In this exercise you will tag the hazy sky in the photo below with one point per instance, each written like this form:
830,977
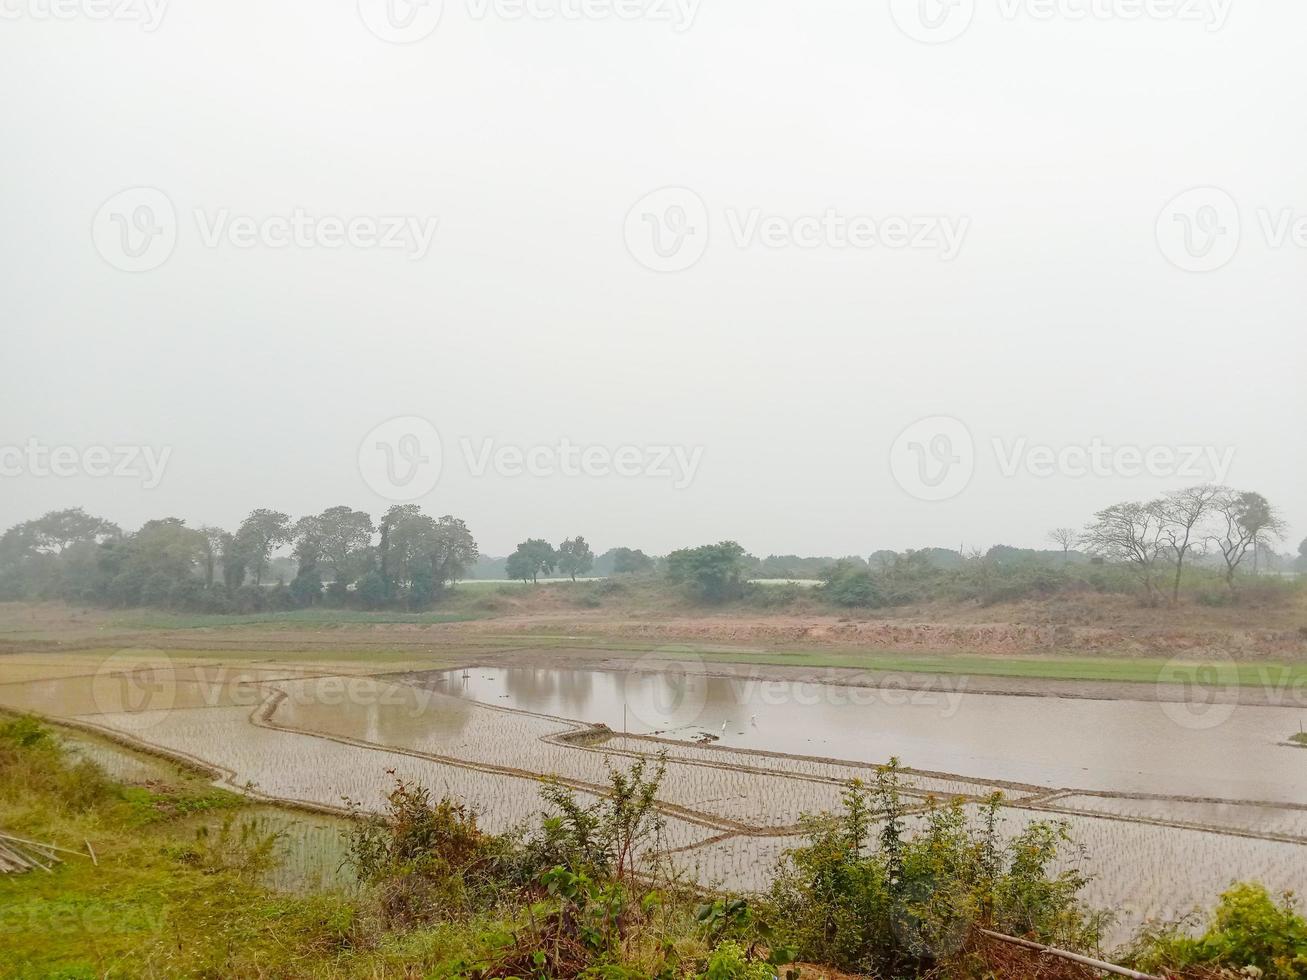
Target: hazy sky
870,222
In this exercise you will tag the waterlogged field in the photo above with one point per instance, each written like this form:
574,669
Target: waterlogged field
1168,811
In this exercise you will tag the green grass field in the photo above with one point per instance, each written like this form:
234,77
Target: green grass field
146,619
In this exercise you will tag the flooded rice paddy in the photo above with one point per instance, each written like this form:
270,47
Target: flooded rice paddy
1169,811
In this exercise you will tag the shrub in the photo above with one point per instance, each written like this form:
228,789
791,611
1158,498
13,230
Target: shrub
1248,929
863,896
187,595
371,591
32,762
848,584
306,588
246,849
423,857
711,573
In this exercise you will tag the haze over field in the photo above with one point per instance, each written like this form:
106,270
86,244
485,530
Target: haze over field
1033,291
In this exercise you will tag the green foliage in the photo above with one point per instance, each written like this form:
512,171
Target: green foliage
848,583
625,561
244,848
533,558
730,961
710,573
424,857
575,557
1248,929
902,906
33,766
609,836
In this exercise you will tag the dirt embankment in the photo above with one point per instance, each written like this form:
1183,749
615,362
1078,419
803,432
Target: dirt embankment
1099,626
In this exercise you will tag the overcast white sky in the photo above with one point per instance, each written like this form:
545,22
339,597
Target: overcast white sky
1050,144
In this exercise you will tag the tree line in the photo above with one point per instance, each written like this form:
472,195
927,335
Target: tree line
1158,539
407,559
342,557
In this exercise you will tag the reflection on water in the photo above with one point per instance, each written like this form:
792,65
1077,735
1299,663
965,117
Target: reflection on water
1124,746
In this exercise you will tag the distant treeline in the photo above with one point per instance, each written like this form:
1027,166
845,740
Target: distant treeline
1207,539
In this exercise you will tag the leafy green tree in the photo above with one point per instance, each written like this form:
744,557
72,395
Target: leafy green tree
415,545
848,583
166,548
627,561
711,573
259,535
371,591
533,558
1302,556
345,539
306,588
214,545
59,530
575,557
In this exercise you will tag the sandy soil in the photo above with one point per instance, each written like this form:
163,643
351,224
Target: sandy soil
1099,626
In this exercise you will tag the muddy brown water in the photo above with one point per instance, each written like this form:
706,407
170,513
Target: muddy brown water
1124,746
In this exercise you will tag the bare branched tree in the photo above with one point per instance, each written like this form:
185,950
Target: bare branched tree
1066,538
1182,514
1249,521
1129,534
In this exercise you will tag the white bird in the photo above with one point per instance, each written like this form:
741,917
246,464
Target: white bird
723,728
753,719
